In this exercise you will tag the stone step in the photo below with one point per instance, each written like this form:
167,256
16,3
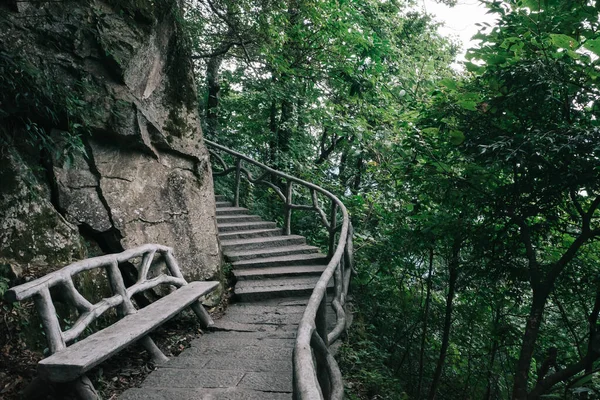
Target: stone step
292,271
231,211
256,233
282,261
230,326
220,197
269,252
245,226
222,393
271,288
221,204
230,219
261,242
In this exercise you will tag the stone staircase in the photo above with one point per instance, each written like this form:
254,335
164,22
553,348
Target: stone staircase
266,264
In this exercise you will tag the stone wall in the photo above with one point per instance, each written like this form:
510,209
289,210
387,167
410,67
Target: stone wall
142,173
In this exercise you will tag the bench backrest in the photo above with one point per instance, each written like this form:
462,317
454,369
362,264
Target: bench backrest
39,289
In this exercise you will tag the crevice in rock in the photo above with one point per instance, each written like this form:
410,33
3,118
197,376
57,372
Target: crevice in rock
118,178
126,141
74,187
183,169
146,221
174,152
177,213
117,235
104,240
46,163
108,241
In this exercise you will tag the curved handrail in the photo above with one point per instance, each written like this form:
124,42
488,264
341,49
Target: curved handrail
316,373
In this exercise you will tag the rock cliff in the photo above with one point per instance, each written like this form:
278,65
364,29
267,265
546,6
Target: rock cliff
101,146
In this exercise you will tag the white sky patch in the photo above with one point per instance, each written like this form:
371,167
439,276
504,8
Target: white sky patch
459,21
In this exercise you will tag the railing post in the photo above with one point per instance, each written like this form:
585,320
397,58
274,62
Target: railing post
45,307
288,208
348,259
332,230
322,371
236,190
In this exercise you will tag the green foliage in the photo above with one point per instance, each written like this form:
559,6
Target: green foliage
179,89
35,102
363,363
474,196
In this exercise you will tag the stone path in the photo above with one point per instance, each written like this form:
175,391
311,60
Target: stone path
248,354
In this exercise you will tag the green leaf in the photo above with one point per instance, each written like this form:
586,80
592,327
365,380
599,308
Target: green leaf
531,4
468,105
471,96
441,167
430,131
582,381
474,67
496,59
593,45
456,137
563,41
449,83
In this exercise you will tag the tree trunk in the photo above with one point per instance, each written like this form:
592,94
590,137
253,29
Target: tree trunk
532,329
453,275
285,125
495,344
283,107
425,320
358,176
545,383
212,83
273,145
343,168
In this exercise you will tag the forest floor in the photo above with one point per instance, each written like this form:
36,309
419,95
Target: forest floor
125,370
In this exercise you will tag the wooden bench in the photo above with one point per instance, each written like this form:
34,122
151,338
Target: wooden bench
70,361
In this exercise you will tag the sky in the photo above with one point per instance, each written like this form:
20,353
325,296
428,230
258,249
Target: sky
459,20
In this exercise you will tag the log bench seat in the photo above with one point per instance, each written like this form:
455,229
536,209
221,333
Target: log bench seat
71,359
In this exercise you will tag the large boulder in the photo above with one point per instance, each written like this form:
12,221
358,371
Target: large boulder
124,80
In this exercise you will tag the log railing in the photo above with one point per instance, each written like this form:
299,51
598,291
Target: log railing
316,373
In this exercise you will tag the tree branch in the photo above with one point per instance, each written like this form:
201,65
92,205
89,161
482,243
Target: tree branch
587,217
221,50
525,234
326,151
593,353
576,203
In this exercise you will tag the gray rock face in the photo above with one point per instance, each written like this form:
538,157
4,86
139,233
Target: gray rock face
160,201
32,233
145,176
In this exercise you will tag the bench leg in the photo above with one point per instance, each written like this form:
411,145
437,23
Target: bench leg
205,319
37,389
84,389
157,356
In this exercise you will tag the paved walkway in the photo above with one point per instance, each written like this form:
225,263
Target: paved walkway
248,355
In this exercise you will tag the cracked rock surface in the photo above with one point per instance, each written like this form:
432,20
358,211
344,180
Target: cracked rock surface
145,174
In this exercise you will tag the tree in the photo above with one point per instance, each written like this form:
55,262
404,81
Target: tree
529,119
